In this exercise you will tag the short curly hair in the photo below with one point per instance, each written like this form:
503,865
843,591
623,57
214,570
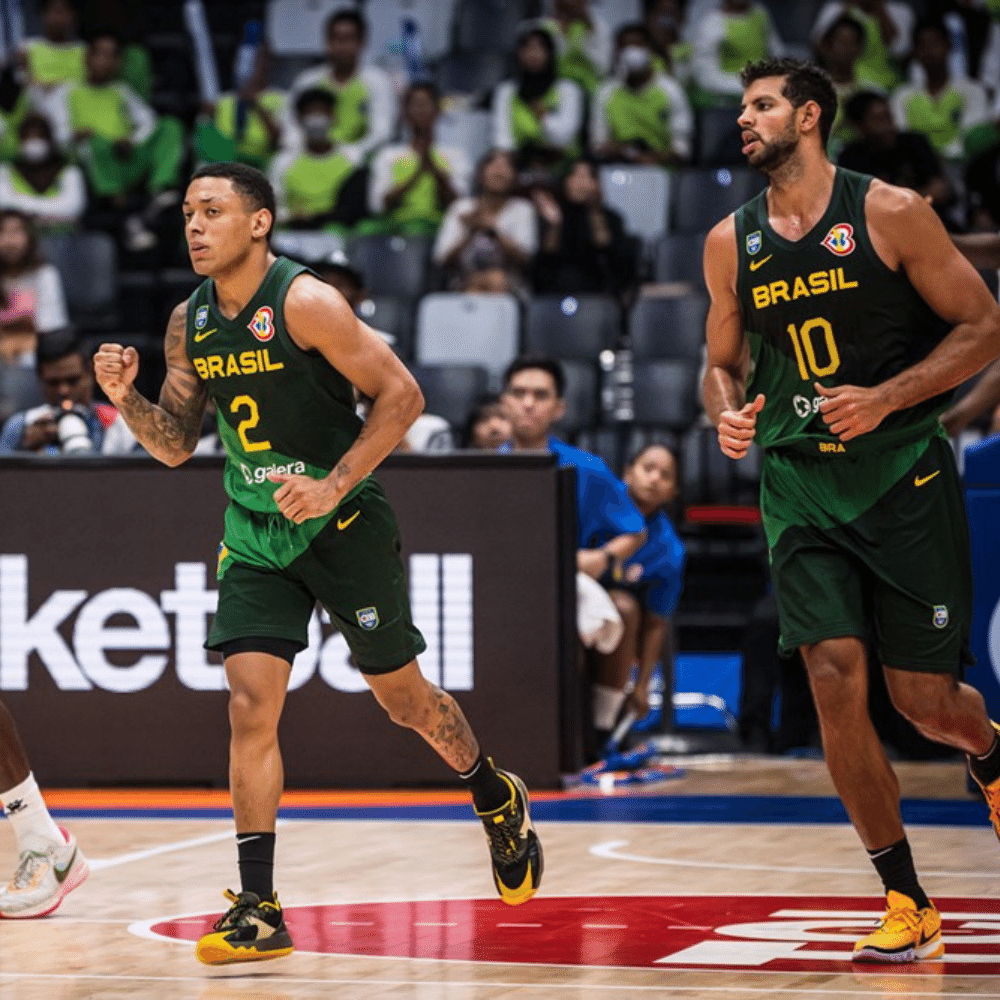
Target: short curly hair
804,81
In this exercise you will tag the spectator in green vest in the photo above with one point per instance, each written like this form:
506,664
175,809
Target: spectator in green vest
58,56
944,109
307,182
888,28
640,116
412,183
366,101
538,114
245,126
130,155
672,54
39,182
583,40
725,40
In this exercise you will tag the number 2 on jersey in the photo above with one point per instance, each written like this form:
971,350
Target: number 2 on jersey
805,351
246,425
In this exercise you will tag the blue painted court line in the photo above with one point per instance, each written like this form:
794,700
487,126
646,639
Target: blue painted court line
613,809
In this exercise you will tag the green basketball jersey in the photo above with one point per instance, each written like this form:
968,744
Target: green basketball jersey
280,410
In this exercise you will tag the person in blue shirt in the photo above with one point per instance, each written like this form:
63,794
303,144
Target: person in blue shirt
648,586
611,527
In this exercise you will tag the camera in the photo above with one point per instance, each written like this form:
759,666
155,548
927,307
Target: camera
74,434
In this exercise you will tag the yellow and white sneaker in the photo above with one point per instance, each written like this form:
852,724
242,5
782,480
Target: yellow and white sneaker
47,872
991,793
904,934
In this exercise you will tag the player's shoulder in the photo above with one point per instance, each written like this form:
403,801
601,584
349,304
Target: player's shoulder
720,246
891,203
178,315
309,297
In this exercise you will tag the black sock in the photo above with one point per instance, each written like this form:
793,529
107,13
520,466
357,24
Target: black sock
256,851
489,790
894,865
986,769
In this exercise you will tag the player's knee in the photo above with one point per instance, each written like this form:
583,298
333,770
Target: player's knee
249,715
918,697
404,707
627,605
836,675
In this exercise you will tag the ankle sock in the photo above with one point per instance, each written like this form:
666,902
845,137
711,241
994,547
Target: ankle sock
894,865
24,806
256,860
986,769
489,790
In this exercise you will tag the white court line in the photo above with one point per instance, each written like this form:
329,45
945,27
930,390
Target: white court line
240,982
610,850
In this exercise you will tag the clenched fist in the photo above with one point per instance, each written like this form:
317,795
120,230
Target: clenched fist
737,428
115,368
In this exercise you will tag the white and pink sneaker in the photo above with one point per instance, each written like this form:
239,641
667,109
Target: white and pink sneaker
46,874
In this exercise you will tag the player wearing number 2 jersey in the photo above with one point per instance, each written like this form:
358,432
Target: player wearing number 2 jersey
279,351
842,311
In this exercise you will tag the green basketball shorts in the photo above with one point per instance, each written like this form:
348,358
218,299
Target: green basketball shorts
899,575
352,567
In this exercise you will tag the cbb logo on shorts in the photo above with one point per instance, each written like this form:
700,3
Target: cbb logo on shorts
840,239
262,324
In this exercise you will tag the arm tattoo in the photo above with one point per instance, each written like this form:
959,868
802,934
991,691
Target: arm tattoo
170,431
450,734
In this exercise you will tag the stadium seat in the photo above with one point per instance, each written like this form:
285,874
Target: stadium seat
450,391
392,265
663,393
718,142
433,19
572,326
615,13
306,245
605,442
298,27
87,262
679,257
488,25
455,328
391,315
641,195
668,327
701,197
581,395
709,477
468,130
469,72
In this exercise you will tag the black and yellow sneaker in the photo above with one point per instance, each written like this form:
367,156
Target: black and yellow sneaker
252,930
991,791
514,846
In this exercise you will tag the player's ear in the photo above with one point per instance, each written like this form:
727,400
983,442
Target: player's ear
810,116
261,223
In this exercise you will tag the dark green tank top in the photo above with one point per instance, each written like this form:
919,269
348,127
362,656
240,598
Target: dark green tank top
280,409
827,309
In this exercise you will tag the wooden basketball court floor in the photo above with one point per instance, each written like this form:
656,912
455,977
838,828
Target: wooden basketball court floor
737,879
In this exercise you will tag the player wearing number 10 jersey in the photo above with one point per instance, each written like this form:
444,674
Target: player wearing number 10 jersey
842,311
279,351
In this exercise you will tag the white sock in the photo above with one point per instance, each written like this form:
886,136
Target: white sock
607,703
24,806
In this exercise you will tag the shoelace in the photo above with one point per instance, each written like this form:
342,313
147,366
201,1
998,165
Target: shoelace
235,913
505,837
27,869
909,918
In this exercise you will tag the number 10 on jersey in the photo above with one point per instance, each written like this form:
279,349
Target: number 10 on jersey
805,348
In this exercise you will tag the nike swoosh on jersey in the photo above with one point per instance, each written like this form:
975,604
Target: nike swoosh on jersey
920,480
754,264
343,524
61,873
199,337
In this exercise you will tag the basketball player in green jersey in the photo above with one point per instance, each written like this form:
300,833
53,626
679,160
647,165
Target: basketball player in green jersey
842,311
279,352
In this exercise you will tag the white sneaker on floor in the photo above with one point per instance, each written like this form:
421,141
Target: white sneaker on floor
46,874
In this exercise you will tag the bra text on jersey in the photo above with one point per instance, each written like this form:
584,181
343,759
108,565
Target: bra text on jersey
817,283
244,363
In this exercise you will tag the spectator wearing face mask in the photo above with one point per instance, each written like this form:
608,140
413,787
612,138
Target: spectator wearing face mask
642,116
672,53
40,182
583,39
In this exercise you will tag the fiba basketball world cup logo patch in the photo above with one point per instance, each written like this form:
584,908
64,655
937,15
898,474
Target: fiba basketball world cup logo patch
367,618
262,324
840,239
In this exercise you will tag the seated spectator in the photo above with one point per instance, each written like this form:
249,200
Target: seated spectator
307,181
584,42
366,101
944,110
40,182
903,158
888,28
412,184
537,114
69,421
584,247
486,243
642,116
645,590
488,425
58,56
664,23
611,529
839,50
245,126
725,40
129,154
336,270
33,299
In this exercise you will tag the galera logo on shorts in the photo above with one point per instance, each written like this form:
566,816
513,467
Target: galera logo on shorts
367,618
255,477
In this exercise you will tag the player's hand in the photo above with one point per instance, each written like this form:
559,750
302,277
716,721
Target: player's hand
638,702
302,497
850,410
737,428
115,368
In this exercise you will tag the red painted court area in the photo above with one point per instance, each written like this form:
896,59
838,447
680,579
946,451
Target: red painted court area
764,933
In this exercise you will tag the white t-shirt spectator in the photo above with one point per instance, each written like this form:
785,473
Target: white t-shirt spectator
517,221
